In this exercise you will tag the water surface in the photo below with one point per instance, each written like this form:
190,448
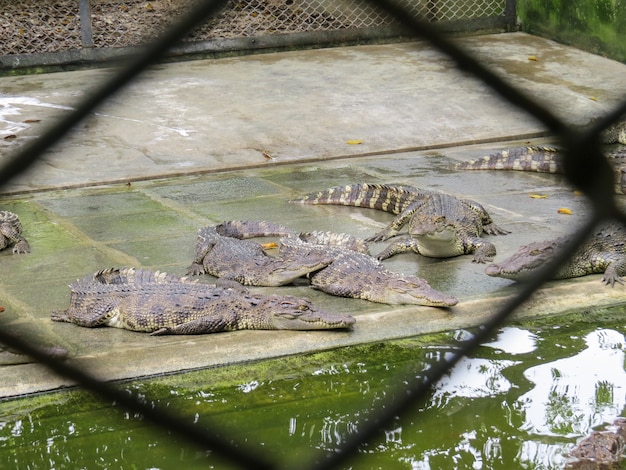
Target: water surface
521,401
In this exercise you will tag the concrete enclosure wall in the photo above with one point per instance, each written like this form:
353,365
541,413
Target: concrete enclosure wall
597,26
35,33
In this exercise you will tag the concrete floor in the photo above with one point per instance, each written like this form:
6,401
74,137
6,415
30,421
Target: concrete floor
183,148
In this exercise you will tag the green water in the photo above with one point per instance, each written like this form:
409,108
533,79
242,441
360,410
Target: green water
519,402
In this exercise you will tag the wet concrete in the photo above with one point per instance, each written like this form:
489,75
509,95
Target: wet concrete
189,138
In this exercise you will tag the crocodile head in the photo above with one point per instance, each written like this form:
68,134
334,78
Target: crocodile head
411,290
286,312
526,260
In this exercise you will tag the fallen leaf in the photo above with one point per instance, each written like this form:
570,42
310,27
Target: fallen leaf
28,121
268,246
532,57
10,137
539,196
593,98
267,155
1,309
564,210
354,142
578,193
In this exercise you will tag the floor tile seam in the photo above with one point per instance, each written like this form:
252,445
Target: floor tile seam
66,224
179,208
22,309
319,159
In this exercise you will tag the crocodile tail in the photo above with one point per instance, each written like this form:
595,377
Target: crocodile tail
536,158
243,229
341,240
12,219
386,197
133,276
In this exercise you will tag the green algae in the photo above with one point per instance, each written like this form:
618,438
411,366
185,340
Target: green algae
294,407
596,27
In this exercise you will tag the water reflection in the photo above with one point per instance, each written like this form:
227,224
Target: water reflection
520,401
573,394
513,340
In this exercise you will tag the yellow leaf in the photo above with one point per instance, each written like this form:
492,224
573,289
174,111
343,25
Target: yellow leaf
539,196
564,210
354,142
593,98
267,246
532,57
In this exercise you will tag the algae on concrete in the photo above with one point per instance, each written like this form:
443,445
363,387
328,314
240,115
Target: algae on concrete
597,26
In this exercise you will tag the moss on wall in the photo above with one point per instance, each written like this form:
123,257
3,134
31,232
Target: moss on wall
597,26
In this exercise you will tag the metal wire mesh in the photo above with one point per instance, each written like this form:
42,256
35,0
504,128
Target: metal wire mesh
30,26
585,167
33,26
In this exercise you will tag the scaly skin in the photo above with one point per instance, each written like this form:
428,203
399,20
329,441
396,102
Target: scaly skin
11,233
604,253
541,159
600,449
147,301
246,263
352,273
440,225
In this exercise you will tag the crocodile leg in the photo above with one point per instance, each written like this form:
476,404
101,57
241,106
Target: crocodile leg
484,251
11,235
206,324
394,227
487,222
401,246
615,269
205,243
101,315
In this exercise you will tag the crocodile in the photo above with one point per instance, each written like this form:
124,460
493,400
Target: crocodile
440,225
352,273
604,252
246,262
11,233
361,276
162,304
541,159
600,449
549,159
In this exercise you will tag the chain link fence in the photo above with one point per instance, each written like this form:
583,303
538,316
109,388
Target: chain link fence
585,167
54,27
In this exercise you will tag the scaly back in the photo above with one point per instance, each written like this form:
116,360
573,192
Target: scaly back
7,217
386,197
535,158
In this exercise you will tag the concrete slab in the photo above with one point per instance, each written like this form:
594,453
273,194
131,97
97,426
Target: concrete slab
189,137
221,114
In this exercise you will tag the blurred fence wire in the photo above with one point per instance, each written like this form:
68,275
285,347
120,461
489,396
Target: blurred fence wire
585,165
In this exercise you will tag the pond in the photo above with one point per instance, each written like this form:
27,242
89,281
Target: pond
520,401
